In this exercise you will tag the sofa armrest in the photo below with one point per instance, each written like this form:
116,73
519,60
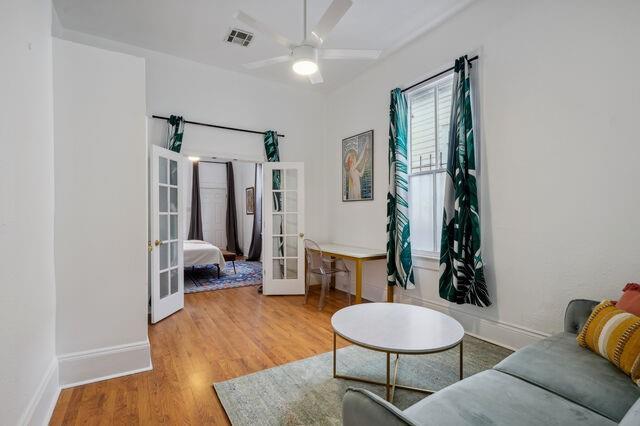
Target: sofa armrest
363,408
577,313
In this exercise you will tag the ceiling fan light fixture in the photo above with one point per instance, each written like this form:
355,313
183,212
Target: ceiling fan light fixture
305,67
305,60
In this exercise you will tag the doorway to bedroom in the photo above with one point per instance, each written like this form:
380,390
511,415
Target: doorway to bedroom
220,213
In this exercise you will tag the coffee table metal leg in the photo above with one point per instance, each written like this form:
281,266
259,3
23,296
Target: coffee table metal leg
388,384
461,357
395,377
334,354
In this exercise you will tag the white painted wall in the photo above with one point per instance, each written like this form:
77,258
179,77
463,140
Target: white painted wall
244,175
101,212
28,368
204,93
559,104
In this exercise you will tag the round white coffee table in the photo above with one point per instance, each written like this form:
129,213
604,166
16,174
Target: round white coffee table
395,328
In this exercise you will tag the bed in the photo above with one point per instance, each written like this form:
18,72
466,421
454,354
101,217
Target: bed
197,252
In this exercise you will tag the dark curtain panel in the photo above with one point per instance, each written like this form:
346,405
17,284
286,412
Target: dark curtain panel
232,224
195,226
255,249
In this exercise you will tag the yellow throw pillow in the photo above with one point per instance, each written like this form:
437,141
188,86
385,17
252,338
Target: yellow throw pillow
615,335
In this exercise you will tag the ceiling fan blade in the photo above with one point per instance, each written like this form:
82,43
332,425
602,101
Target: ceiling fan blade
267,62
331,17
348,54
263,28
316,78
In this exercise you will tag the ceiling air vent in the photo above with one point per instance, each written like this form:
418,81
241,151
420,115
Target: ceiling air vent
243,38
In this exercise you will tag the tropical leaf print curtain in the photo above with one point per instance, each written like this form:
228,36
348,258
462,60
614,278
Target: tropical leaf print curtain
174,133
273,155
271,146
399,263
461,269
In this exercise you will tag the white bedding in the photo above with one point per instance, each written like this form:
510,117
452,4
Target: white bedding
198,252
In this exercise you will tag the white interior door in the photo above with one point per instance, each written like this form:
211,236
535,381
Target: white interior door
214,215
167,278
283,226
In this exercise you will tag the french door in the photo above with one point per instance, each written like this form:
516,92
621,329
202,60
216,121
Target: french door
167,277
283,228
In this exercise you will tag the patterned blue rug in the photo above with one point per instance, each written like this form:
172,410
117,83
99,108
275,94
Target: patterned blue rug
205,278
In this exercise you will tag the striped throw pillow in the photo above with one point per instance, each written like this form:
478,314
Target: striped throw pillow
615,335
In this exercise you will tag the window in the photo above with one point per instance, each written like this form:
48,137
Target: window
429,116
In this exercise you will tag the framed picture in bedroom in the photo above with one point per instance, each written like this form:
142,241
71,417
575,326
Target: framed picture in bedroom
357,167
251,200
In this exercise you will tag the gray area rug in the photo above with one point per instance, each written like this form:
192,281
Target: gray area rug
305,393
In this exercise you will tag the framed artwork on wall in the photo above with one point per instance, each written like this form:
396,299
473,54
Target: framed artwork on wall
251,200
357,167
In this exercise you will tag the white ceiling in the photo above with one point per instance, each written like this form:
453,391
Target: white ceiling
196,29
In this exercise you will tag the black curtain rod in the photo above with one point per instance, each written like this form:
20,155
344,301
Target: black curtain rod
235,129
435,76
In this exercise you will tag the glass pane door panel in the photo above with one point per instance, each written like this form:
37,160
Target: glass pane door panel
164,284
174,226
164,232
174,281
278,269
276,179
277,201
278,224
292,269
164,256
292,224
174,254
173,172
162,170
174,200
163,199
278,249
291,179
291,247
291,201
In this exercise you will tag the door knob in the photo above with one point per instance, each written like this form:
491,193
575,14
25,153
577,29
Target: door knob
158,242
301,235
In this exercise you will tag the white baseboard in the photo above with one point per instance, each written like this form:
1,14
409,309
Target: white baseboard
44,400
80,368
501,333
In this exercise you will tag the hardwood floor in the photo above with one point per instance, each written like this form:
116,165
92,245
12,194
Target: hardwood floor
219,335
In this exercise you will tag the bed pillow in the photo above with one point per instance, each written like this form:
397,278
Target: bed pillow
615,335
630,300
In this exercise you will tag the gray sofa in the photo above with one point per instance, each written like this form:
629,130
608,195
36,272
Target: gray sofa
552,382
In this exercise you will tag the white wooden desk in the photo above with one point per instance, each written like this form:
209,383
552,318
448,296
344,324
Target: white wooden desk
359,255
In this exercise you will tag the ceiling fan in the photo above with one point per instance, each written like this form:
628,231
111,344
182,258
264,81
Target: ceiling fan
304,56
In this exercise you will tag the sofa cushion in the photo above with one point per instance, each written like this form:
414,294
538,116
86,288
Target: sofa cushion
494,398
561,366
632,418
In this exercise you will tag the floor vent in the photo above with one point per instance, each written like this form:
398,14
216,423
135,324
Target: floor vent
236,36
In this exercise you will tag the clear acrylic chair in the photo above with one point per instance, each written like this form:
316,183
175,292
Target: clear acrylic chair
325,268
